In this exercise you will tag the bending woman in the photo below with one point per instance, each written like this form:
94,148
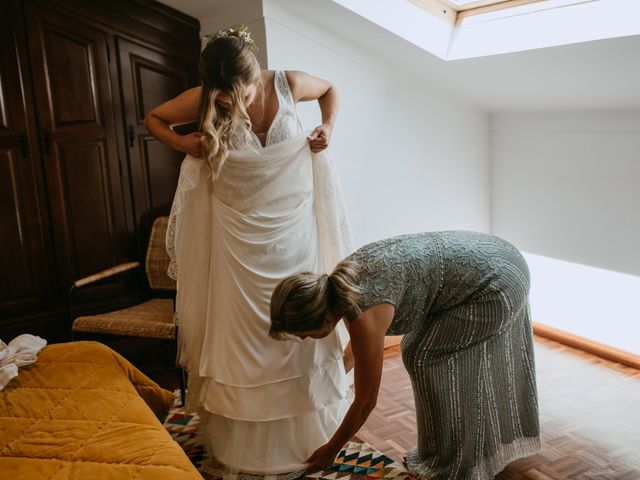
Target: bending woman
461,301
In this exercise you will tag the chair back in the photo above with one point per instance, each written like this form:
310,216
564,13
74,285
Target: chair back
157,260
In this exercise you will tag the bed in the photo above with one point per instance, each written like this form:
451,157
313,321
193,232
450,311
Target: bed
82,411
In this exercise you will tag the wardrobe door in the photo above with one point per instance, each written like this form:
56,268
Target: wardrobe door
73,93
24,275
148,78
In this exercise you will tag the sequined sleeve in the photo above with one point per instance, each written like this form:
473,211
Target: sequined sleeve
382,277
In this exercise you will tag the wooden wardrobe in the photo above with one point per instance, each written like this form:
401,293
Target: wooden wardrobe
81,179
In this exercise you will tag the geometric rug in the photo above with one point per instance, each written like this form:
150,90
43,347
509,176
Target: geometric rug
357,461
183,430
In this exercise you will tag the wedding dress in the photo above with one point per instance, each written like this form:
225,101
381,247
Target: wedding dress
273,211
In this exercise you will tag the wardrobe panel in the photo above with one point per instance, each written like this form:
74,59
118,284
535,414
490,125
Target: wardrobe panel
148,78
78,188
25,274
70,65
17,284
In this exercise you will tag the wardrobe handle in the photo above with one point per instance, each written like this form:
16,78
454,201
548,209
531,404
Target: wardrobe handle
46,142
131,135
24,145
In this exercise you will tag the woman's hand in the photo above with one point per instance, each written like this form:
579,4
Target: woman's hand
191,144
321,459
319,138
305,87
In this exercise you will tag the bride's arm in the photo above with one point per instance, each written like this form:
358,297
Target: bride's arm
179,110
305,87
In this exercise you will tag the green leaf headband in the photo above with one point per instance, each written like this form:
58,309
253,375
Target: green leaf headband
239,31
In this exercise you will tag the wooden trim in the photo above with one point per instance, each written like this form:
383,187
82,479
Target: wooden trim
109,272
569,339
135,21
439,9
454,14
495,4
581,343
450,4
470,10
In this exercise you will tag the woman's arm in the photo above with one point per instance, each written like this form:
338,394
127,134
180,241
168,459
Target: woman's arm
367,343
179,110
305,87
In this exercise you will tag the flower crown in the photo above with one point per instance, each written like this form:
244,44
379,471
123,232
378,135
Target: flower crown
239,31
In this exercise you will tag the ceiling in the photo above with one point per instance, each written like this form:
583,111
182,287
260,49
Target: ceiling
597,75
603,74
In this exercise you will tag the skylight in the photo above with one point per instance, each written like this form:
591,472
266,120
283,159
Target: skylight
458,29
543,24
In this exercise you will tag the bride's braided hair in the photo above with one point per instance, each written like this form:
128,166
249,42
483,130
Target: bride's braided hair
303,302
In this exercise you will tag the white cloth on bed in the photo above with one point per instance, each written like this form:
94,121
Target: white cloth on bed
22,350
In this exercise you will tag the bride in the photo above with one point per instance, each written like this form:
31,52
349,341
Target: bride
257,200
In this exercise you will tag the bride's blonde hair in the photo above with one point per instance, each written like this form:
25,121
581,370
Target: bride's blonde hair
227,65
304,302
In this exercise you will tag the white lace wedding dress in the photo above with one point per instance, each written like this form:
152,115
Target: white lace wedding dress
272,212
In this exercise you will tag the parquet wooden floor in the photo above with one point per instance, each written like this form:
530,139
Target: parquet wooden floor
589,415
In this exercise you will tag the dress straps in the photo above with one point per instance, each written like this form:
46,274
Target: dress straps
285,97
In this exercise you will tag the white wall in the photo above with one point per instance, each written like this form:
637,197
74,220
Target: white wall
591,302
410,160
566,188
567,185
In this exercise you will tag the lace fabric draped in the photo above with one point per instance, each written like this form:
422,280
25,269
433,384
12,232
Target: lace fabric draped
273,212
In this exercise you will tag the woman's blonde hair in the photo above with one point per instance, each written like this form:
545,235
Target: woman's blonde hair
304,302
227,65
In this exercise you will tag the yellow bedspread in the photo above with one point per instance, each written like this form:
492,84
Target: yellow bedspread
84,412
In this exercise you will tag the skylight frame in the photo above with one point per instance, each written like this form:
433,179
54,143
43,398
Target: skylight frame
453,13
461,5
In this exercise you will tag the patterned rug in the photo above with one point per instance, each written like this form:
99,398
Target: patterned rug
358,461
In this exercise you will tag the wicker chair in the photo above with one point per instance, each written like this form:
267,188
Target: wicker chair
150,319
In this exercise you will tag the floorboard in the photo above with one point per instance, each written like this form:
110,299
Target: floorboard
589,415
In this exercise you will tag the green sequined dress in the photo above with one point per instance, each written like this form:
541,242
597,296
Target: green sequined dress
461,302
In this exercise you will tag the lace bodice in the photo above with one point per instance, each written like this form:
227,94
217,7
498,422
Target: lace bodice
286,123
425,273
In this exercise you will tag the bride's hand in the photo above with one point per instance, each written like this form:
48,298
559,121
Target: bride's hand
319,138
191,144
